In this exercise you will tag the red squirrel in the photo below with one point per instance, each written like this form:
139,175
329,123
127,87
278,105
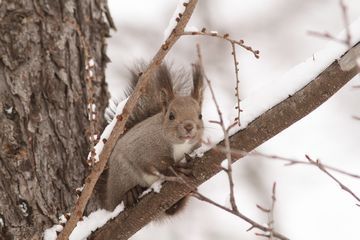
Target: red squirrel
162,128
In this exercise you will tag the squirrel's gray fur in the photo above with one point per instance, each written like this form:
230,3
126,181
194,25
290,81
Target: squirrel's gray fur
165,125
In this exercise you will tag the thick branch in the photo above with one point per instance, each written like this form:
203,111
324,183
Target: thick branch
260,130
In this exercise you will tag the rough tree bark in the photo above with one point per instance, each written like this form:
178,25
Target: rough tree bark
43,108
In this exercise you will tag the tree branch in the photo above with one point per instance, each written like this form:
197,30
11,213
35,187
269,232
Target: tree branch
260,130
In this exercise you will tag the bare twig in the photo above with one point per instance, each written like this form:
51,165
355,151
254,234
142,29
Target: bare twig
291,162
237,84
226,135
254,225
348,38
343,187
326,35
273,200
225,37
345,15
270,213
120,124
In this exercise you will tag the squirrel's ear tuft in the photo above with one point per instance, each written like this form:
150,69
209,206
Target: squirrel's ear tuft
165,98
198,83
163,78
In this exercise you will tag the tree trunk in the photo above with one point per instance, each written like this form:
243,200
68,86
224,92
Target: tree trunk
43,107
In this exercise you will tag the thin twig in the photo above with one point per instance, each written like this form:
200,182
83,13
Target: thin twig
289,161
271,221
225,37
201,197
226,135
347,40
343,187
270,213
345,15
294,161
254,225
237,84
327,35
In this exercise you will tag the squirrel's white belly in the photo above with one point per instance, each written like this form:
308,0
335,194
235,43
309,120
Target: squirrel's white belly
180,149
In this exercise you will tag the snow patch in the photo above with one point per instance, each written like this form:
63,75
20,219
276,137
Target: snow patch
10,109
51,233
2,223
91,62
155,187
224,164
85,227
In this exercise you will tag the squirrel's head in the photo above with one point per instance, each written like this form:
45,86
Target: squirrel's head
182,119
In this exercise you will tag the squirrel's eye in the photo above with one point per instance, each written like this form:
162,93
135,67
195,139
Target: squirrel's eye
200,116
171,116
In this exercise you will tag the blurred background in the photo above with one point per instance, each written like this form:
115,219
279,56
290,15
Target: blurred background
309,204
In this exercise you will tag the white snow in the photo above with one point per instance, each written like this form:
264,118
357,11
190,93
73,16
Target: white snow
91,62
9,110
24,208
93,107
62,218
155,187
79,189
180,8
106,133
94,221
89,224
224,164
51,233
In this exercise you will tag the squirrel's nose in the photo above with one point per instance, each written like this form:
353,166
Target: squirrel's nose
188,127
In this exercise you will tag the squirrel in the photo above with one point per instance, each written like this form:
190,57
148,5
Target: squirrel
163,127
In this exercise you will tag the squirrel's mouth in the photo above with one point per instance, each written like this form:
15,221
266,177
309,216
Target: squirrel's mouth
187,137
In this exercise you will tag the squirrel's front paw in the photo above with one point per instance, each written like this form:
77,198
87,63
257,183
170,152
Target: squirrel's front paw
186,167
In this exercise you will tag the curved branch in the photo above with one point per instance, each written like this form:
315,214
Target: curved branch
260,130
